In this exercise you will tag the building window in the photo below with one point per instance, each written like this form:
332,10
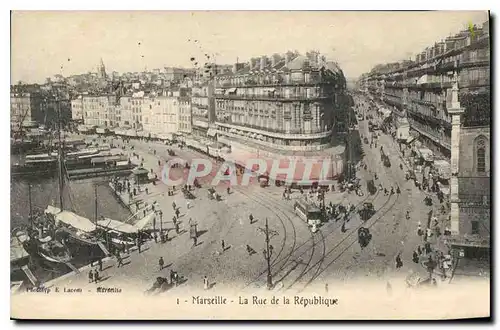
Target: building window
481,155
475,227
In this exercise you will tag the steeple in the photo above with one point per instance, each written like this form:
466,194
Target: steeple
101,71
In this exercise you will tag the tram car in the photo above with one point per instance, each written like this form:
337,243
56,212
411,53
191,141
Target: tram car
364,236
367,211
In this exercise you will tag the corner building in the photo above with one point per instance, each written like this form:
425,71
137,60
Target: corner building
290,108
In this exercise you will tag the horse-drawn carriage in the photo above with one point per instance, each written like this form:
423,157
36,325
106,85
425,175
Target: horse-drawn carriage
384,158
364,236
367,211
171,152
370,185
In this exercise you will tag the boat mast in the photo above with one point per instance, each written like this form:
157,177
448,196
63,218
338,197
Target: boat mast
95,196
31,209
60,155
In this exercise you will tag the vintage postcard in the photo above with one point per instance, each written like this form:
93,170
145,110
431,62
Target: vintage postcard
250,165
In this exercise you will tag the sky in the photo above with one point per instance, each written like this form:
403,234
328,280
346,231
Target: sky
46,43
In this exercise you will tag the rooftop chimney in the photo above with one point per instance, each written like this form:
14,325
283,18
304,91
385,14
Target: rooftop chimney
288,57
275,59
263,61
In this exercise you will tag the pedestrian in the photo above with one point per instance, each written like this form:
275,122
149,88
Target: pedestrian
99,262
120,261
91,276
342,229
399,262
176,227
96,276
147,191
161,263
174,220
223,244
155,237
228,190
250,217
205,282
415,257
173,203
177,212
144,212
188,205
172,276
326,288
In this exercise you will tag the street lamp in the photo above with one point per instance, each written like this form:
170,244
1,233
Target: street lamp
267,255
268,252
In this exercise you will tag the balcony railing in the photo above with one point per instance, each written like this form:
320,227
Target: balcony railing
270,144
474,199
277,133
480,60
440,139
475,82
273,97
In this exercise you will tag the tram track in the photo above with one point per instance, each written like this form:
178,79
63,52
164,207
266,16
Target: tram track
349,244
269,205
272,204
307,265
325,254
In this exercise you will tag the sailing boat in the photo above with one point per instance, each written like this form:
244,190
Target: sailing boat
37,239
71,227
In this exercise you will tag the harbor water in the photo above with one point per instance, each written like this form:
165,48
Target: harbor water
78,196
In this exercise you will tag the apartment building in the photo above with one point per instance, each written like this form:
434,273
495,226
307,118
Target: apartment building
422,88
161,115
280,106
445,96
77,109
99,110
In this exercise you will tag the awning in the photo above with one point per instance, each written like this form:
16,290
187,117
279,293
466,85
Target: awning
219,91
140,171
443,168
165,136
211,132
142,223
71,219
118,226
426,154
403,133
231,90
410,139
107,159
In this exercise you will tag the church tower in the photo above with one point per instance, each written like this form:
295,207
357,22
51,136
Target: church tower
101,70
